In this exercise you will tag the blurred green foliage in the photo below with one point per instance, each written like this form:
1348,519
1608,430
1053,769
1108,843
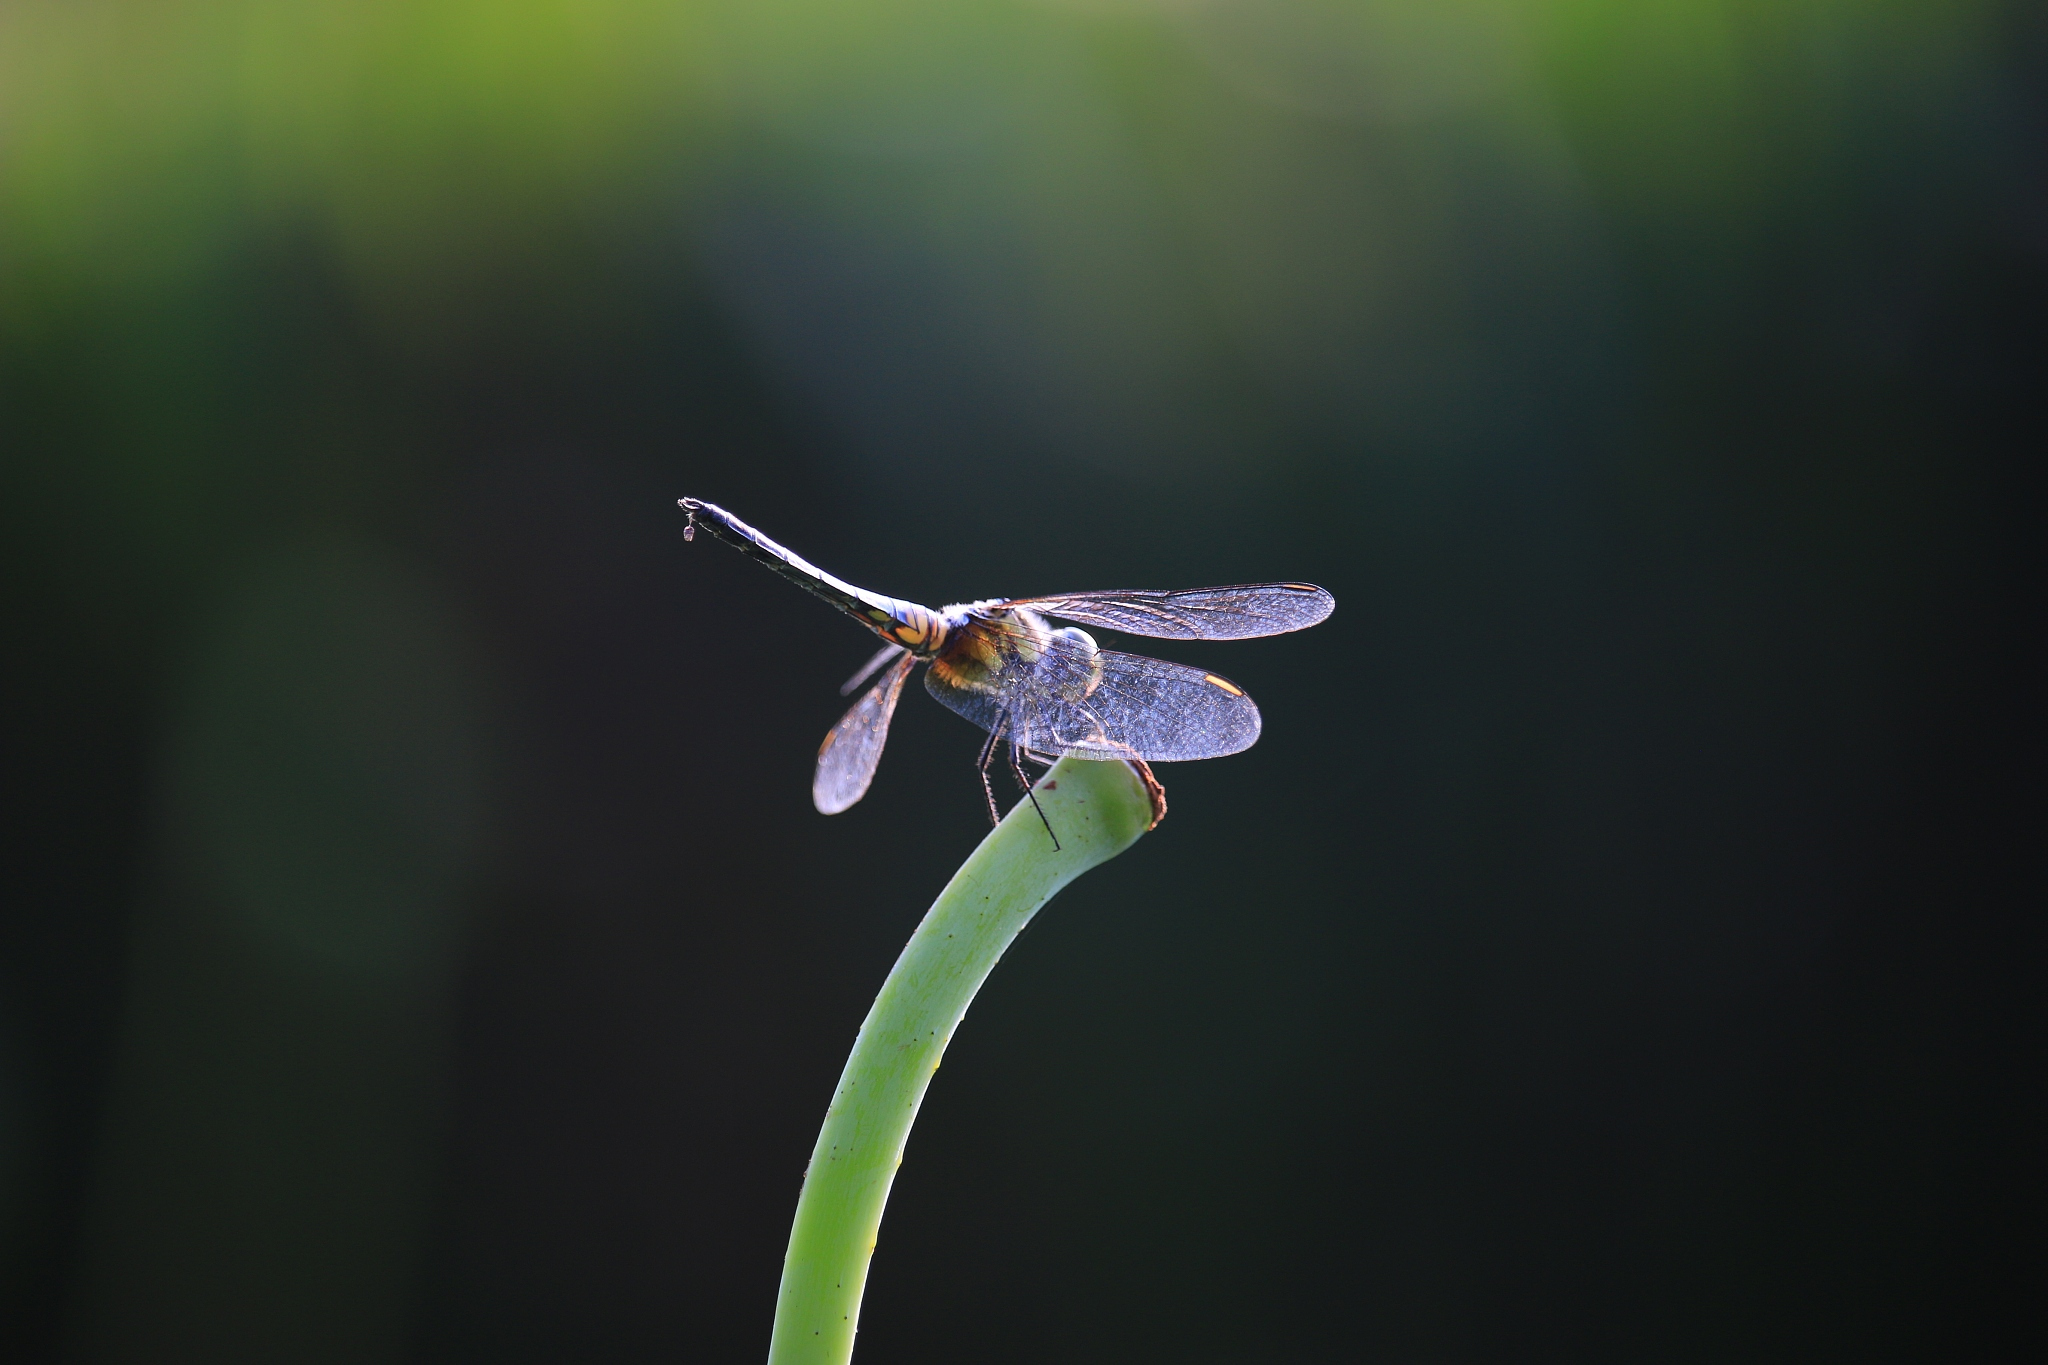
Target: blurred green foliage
1173,230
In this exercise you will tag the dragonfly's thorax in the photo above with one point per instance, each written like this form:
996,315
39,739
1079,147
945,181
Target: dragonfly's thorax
990,644
947,623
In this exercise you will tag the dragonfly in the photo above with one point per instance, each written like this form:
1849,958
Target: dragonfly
1041,690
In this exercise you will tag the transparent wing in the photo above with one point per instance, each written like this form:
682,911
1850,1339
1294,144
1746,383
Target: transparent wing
1057,696
1238,613
847,758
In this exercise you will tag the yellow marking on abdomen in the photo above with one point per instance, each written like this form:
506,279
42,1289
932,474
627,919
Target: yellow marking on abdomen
1215,681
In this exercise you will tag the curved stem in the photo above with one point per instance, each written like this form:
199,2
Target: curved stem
1100,809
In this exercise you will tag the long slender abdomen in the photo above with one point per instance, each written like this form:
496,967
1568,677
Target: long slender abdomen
905,623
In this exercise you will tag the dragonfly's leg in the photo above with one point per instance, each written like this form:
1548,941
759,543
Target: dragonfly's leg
1017,768
988,788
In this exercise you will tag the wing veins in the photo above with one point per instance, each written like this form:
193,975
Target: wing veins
853,747
1245,611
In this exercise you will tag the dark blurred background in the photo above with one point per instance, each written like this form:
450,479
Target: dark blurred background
1623,945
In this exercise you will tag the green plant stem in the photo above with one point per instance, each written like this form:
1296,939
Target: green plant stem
1099,809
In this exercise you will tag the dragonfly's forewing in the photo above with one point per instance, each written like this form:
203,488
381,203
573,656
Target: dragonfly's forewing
1059,698
1238,613
847,758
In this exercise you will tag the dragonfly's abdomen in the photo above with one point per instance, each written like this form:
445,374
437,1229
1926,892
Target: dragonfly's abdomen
918,629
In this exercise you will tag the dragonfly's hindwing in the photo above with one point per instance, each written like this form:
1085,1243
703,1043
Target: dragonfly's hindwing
1162,712
1058,696
847,758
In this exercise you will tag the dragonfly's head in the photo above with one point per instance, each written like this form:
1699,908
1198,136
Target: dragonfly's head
1081,670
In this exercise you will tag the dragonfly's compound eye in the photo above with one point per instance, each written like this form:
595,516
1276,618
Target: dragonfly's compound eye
1082,665
1081,639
